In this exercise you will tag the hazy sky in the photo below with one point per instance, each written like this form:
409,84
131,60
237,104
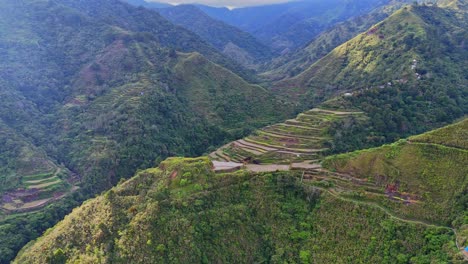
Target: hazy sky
228,3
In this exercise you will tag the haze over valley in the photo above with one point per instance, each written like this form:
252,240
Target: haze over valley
277,132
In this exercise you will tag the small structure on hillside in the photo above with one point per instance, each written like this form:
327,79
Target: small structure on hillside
465,252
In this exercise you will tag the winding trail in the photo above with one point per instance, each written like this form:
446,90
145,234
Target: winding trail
393,216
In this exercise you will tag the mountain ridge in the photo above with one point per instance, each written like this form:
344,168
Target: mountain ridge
224,37
99,95
187,192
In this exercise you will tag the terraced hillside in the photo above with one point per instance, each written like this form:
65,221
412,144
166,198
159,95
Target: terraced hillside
29,178
301,141
383,54
38,190
420,180
399,203
97,86
423,178
406,73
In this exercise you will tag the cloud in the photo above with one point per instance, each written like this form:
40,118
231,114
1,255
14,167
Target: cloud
221,3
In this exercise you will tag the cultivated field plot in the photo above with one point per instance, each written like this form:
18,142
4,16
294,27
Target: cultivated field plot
304,138
37,191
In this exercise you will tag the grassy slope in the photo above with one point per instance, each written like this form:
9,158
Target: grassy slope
183,212
385,52
220,95
452,136
293,63
406,73
433,172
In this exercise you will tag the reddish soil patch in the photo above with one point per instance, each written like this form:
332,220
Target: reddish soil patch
22,194
103,67
372,31
173,175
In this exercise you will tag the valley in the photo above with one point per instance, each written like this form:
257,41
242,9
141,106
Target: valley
199,193
302,132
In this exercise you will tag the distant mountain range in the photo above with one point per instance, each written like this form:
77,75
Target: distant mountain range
283,27
95,91
231,41
286,27
148,4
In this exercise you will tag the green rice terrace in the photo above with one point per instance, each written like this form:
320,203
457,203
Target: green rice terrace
38,190
422,179
414,189
298,142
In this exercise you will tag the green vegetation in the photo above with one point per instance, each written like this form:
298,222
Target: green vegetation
455,135
234,43
428,172
406,73
305,138
426,168
289,26
184,212
92,91
291,64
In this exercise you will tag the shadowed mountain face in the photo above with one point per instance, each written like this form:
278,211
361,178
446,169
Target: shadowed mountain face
286,27
234,43
412,64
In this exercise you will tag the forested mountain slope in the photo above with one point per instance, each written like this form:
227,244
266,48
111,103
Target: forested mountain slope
295,62
231,41
407,73
288,26
183,211
93,90
58,74
143,20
